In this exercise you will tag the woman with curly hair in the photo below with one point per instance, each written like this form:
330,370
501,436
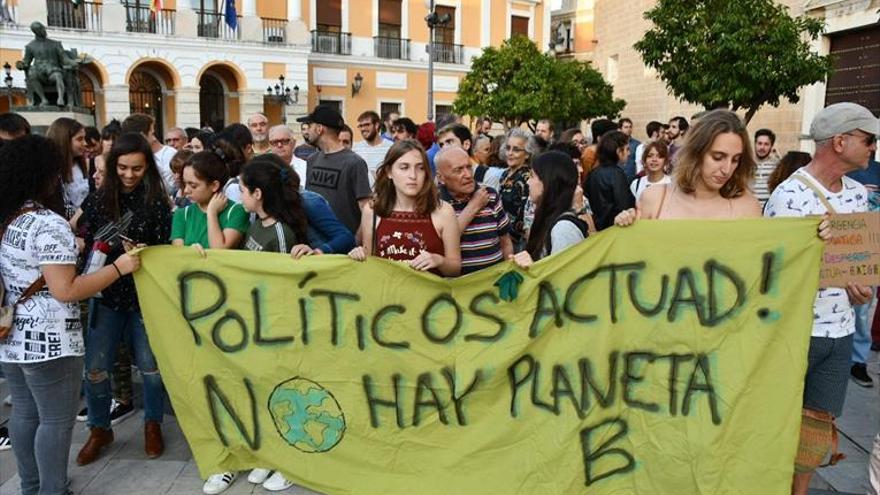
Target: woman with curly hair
37,252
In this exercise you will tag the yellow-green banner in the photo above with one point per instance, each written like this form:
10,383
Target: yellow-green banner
667,357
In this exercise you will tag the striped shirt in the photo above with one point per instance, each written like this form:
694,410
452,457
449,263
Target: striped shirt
481,239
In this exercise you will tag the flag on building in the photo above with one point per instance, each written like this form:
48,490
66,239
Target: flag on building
231,15
155,6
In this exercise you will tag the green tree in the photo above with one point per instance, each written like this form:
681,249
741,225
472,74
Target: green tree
739,54
517,84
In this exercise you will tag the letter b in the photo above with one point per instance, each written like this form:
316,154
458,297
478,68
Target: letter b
592,455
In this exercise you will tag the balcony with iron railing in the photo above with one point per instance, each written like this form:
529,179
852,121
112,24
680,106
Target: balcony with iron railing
396,48
274,30
140,19
213,25
331,42
448,53
85,15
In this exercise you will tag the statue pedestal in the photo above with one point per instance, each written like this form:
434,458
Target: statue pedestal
41,118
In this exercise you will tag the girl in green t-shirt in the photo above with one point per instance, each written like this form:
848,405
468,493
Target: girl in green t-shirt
211,221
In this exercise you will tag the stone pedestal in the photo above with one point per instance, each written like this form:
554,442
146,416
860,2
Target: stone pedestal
41,118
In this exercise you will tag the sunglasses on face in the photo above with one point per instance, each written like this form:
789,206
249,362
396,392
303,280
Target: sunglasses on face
869,139
279,142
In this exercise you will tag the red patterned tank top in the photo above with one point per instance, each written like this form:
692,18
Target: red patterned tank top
402,235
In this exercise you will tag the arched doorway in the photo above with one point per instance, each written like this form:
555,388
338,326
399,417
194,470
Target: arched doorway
212,102
145,96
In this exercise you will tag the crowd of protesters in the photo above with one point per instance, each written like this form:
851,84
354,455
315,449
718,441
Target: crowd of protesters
440,198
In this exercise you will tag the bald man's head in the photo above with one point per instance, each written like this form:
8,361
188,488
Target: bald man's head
455,171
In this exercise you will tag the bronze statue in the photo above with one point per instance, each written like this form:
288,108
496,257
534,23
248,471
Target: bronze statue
50,67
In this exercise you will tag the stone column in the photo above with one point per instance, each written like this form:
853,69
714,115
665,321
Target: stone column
112,16
297,31
188,114
33,10
250,101
251,25
186,20
116,102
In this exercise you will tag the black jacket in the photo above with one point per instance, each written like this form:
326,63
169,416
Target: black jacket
607,190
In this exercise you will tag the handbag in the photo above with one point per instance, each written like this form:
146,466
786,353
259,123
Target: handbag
7,313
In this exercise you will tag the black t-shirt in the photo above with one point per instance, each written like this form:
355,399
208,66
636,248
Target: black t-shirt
342,179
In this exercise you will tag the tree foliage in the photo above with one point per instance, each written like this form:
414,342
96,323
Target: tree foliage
739,54
516,83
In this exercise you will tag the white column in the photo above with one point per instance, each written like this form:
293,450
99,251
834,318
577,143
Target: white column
186,20
250,101
116,101
112,16
294,10
249,8
32,11
188,114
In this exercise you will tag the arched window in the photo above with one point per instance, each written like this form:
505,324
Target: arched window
145,96
212,102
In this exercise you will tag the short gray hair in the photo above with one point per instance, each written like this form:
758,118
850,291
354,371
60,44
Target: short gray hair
516,132
281,127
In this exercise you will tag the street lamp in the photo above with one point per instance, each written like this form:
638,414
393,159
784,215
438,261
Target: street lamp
357,84
283,95
433,20
7,80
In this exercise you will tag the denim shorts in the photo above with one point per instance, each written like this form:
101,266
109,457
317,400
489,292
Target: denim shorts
828,373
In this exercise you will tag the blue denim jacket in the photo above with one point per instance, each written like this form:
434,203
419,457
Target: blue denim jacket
325,231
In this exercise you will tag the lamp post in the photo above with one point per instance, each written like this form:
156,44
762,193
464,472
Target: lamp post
7,80
433,20
357,84
284,95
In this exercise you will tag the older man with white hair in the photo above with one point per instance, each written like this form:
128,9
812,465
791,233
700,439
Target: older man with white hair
481,218
258,124
282,142
846,136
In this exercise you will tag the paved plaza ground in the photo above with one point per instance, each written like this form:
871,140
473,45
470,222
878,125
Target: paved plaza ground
125,469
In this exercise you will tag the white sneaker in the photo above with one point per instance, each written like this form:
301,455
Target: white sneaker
259,475
218,483
277,482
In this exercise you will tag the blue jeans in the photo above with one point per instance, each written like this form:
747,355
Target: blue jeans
862,337
108,328
45,398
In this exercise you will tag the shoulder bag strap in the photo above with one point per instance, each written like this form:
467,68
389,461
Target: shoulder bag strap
662,200
807,182
32,289
373,243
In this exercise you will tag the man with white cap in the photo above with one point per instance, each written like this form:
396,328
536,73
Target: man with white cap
846,136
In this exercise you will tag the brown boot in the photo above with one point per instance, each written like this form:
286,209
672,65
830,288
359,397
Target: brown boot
153,443
98,439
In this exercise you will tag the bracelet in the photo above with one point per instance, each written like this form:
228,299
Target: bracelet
117,269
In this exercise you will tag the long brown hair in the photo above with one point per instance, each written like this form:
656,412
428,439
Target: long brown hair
689,159
61,132
386,195
111,189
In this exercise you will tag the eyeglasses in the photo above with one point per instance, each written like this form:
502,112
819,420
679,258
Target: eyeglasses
279,142
514,149
869,139
365,125
173,140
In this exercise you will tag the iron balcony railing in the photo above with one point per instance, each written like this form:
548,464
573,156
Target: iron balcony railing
85,15
448,53
140,19
274,30
396,48
213,25
331,42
